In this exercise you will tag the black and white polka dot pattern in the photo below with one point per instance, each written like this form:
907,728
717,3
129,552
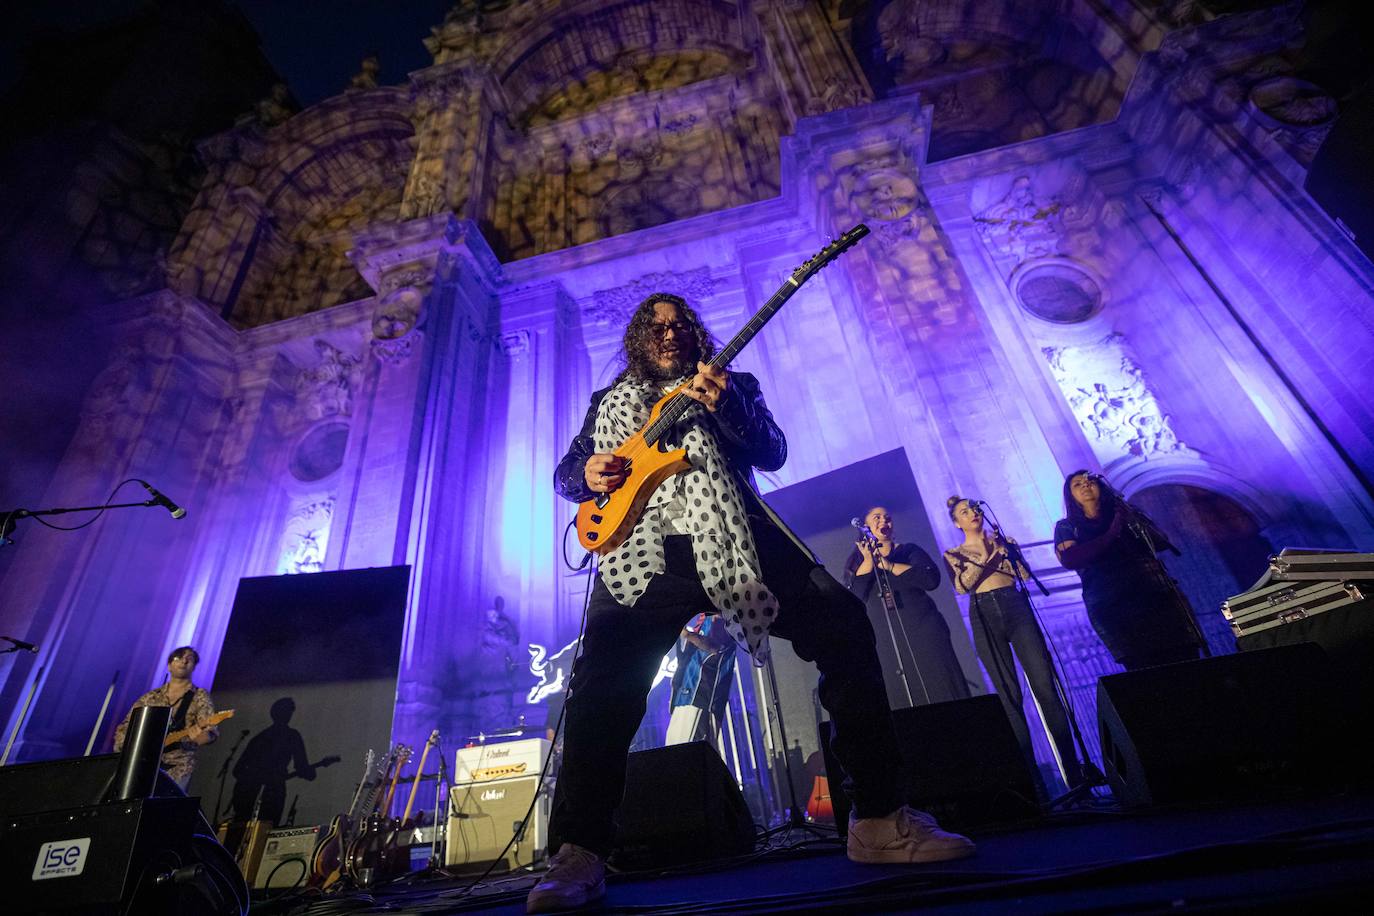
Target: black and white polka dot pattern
722,542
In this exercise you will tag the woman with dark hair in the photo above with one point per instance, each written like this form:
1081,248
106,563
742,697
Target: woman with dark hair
1003,623
892,579
1136,609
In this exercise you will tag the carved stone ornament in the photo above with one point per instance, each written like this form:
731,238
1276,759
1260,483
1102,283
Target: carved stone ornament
884,194
396,319
516,344
306,537
1112,401
613,307
326,389
1057,290
1019,226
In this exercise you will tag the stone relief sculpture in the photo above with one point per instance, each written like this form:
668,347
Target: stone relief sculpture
366,77
612,307
1019,226
1112,401
326,390
306,537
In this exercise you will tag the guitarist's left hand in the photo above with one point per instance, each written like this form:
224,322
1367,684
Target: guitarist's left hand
708,386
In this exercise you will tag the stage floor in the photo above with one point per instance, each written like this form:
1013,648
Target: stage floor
1275,855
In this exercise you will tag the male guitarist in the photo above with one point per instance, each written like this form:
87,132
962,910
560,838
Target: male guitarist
706,539
191,706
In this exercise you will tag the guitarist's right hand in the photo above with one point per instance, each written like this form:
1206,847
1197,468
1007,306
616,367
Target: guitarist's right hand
605,472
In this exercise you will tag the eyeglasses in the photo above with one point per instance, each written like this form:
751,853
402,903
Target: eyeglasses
680,328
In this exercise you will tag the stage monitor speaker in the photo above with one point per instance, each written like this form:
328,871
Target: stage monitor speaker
484,816
959,761
64,848
1340,179
681,805
1225,727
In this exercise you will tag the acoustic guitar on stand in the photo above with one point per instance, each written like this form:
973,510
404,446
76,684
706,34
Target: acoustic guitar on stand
606,520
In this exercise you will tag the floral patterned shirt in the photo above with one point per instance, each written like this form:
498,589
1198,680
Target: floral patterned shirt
179,760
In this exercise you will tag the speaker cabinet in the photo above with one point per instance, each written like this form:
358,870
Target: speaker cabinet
484,816
65,849
1230,726
681,805
959,761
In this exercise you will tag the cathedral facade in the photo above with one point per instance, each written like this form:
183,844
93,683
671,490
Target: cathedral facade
378,327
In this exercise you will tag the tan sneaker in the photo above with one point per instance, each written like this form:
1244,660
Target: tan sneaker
905,835
576,877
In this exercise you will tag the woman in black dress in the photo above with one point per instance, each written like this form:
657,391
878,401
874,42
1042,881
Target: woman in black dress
1134,606
919,664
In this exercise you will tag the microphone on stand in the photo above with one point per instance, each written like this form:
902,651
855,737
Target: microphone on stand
160,499
20,645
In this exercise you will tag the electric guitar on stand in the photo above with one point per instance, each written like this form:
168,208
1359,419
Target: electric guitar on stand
605,521
326,865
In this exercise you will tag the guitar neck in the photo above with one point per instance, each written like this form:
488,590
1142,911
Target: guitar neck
679,403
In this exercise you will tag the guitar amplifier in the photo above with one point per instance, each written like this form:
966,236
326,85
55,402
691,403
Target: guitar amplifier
503,760
286,857
484,816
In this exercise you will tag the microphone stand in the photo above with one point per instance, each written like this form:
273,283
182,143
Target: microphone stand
1090,775
9,517
889,600
1141,530
223,774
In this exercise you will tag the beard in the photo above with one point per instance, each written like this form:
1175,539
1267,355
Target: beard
680,364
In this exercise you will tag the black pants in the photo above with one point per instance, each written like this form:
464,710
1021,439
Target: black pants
1003,623
624,645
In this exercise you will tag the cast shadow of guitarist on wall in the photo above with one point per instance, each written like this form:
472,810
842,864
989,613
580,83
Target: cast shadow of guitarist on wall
272,757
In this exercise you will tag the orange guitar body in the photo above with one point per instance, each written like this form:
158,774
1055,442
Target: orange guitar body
603,523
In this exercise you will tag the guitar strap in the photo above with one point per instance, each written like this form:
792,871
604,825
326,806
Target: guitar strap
179,711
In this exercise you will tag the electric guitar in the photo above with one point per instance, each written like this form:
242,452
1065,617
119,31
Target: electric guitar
606,520
182,733
326,865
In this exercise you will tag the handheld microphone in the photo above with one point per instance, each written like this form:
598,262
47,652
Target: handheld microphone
857,522
160,499
20,644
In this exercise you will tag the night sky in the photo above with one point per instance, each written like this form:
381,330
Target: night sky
315,44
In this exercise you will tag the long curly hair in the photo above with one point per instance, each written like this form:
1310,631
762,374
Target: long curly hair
640,340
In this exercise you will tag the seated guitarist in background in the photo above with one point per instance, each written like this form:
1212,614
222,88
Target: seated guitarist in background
191,705
706,539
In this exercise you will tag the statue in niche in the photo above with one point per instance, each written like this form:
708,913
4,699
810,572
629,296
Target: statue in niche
1020,226
366,77
498,671
307,535
326,389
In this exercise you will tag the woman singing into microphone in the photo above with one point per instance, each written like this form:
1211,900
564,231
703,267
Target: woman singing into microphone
1003,623
892,579
1134,606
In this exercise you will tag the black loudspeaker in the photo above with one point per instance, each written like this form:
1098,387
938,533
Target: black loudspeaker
1232,726
1339,179
65,848
959,761
681,805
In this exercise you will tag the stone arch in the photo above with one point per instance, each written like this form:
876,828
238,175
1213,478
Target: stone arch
342,166
596,51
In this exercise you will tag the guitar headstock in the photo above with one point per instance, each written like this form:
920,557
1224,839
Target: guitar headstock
830,252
